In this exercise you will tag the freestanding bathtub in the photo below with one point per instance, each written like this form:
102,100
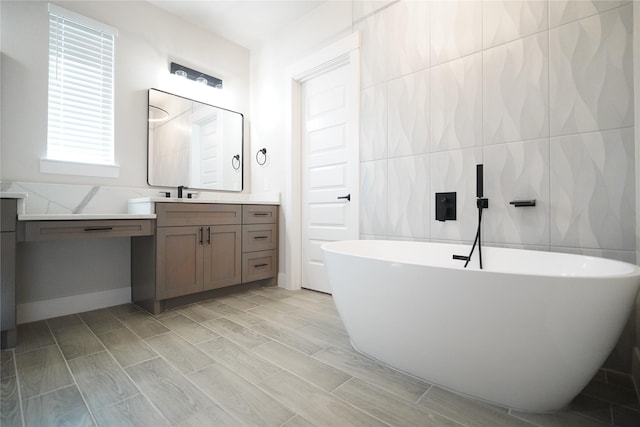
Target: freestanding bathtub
528,332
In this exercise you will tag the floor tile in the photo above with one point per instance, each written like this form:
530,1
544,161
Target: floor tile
40,371
182,355
62,407
188,329
74,337
558,419
328,335
374,372
133,412
243,400
324,376
387,407
143,324
220,309
33,335
315,404
175,397
239,303
284,319
625,417
197,313
591,407
276,304
235,332
100,321
7,367
240,360
288,337
468,411
101,380
10,413
126,347
297,421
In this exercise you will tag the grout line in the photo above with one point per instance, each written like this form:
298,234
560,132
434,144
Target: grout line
15,369
73,377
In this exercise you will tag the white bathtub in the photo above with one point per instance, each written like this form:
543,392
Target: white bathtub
528,332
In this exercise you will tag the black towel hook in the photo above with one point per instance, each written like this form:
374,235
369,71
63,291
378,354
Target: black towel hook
261,160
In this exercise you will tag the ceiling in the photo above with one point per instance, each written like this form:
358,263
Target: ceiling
245,22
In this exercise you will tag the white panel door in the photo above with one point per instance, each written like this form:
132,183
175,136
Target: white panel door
329,168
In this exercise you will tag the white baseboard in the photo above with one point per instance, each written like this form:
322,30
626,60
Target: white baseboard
39,310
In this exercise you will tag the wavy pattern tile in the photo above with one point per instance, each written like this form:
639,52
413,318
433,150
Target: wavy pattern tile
364,8
456,104
593,190
373,198
515,102
456,171
373,123
564,11
373,50
504,21
456,29
407,53
408,114
517,171
591,73
408,198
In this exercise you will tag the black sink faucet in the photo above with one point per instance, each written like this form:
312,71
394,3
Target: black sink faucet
180,188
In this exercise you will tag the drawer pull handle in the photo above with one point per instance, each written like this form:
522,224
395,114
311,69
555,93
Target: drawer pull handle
208,235
260,237
201,235
260,213
260,265
98,229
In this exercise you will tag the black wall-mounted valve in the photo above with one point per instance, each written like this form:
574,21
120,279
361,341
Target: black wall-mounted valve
446,206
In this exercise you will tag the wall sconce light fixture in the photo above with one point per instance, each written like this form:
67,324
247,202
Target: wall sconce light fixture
197,76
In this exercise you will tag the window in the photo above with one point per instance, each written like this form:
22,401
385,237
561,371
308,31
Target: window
81,72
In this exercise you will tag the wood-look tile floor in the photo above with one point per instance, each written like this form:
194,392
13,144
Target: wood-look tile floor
267,357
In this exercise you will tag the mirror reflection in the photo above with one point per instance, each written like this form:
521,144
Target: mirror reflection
193,144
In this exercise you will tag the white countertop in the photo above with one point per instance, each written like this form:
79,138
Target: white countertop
12,195
79,217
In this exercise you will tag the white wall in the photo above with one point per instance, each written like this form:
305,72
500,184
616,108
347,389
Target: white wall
540,92
324,25
149,39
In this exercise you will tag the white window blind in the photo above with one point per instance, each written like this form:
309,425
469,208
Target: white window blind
81,70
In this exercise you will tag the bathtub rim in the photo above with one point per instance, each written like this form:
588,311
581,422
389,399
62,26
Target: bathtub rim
631,269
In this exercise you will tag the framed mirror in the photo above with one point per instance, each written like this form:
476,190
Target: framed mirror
193,144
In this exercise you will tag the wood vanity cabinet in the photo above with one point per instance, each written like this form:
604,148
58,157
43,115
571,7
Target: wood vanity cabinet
9,216
200,247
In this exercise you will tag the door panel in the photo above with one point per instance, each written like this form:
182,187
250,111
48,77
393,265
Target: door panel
329,164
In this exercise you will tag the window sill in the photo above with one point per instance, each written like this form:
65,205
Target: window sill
59,167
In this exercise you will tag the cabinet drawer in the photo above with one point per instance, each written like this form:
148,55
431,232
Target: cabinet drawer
183,214
31,231
259,214
259,265
8,214
259,237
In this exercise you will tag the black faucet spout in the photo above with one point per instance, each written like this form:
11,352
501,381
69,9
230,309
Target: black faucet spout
180,188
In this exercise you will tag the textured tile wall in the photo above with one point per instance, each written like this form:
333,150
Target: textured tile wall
540,91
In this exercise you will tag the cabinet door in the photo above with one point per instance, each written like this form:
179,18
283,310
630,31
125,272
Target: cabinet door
179,264
222,256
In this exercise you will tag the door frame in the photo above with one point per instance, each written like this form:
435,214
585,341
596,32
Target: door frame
344,51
